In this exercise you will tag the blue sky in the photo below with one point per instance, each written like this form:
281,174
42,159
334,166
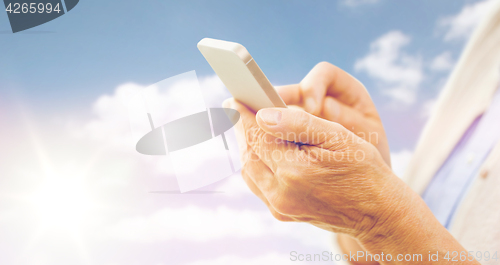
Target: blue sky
61,123
67,63
101,44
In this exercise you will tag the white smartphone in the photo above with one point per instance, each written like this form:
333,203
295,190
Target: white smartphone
240,74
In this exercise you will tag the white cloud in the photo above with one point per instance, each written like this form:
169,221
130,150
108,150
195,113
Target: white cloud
214,91
111,120
198,224
354,3
193,224
442,62
269,259
125,111
397,73
235,186
461,25
120,119
400,161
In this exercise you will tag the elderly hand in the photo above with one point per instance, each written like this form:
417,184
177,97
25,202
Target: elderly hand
332,94
309,169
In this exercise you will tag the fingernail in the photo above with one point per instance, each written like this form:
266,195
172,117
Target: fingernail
310,105
270,116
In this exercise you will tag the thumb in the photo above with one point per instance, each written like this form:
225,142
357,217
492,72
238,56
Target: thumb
301,127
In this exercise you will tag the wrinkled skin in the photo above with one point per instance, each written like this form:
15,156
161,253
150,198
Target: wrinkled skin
321,167
336,181
332,94
316,182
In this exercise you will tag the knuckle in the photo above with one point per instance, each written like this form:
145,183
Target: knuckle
281,204
304,123
250,166
324,65
286,173
302,119
292,178
276,202
280,217
246,170
306,88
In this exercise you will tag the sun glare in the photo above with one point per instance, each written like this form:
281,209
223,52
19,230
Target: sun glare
62,202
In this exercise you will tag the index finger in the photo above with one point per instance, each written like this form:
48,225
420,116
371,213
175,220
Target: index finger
326,79
290,94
